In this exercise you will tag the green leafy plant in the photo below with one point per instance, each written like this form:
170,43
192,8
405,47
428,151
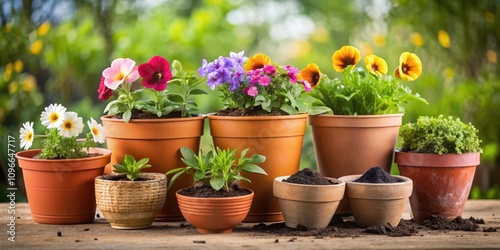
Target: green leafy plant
439,135
218,168
131,167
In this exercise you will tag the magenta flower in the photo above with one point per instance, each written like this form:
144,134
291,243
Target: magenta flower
121,70
270,69
155,73
307,85
251,91
264,80
104,92
292,73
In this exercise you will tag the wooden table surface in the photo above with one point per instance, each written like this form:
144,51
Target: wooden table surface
100,235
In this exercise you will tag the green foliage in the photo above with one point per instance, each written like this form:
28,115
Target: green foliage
218,168
131,167
55,146
439,135
362,93
492,193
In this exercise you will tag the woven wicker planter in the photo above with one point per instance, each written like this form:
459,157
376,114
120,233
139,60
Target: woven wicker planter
130,204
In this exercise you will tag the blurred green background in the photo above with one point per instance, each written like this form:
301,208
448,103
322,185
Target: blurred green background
54,51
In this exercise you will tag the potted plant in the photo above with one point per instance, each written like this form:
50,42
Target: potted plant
365,109
131,199
266,112
216,204
153,121
440,155
59,177
376,197
307,198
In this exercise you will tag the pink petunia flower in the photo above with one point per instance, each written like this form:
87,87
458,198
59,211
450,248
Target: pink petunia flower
307,85
251,91
264,80
155,73
122,69
270,69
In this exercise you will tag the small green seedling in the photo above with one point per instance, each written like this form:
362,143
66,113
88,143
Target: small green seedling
131,167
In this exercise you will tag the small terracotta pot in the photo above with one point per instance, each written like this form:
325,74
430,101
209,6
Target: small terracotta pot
312,206
62,191
352,144
377,203
279,138
441,183
215,215
160,141
131,204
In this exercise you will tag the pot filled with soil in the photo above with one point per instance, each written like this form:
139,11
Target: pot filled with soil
307,198
376,197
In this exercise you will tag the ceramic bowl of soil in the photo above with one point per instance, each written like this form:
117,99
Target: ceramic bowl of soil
376,197
307,198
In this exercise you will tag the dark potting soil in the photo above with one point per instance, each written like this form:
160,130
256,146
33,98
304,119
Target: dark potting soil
308,176
207,191
250,112
122,177
377,175
137,114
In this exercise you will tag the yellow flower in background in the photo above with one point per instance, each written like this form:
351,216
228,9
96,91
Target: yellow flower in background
256,62
444,39
18,66
8,72
376,65
29,83
491,55
449,73
417,39
312,74
36,47
43,29
379,40
410,67
13,87
345,56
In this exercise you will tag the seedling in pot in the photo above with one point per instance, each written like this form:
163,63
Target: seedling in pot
131,167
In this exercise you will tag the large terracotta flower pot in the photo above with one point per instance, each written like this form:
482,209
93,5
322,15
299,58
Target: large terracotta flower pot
312,206
441,183
352,144
62,191
377,203
160,141
131,204
215,215
279,138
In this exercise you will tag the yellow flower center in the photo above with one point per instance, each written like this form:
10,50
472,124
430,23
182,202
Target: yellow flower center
54,117
95,131
68,125
28,136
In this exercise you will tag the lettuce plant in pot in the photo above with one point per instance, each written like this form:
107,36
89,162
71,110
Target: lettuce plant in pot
266,111
59,176
131,199
364,112
440,155
216,203
152,119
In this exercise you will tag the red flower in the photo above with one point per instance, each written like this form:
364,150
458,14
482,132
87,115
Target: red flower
104,92
155,73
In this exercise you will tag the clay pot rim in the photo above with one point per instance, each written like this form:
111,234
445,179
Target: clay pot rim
358,116
415,159
340,182
217,198
109,119
349,180
259,118
155,177
27,155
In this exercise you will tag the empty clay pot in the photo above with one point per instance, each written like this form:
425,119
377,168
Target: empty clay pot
377,203
312,206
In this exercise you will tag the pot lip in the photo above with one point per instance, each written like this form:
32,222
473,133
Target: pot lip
213,116
436,160
349,179
340,183
215,199
157,177
108,118
356,116
398,151
21,155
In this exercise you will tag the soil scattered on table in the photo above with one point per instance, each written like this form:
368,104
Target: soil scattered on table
308,176
250,112
207,191
377,175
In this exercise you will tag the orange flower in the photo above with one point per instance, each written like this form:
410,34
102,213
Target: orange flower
410,67
256,62
312,74
376,65
345,56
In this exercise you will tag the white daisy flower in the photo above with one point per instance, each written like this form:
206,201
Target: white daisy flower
27,135
53,115
97,131
72,125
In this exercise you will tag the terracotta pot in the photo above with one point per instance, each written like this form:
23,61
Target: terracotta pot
312,206
131,204
160,141
279,138
62,191
352,144
441,183
377,203
215,215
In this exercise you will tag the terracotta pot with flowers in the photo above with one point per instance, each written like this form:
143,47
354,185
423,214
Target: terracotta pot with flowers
59,177
365,112
266,112
154,121
216,203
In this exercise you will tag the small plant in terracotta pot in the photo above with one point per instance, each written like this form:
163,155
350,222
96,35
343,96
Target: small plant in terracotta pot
440,155
376,197
307,198
215,204
131,199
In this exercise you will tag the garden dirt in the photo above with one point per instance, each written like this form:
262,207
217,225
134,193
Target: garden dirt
377,175
308,176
